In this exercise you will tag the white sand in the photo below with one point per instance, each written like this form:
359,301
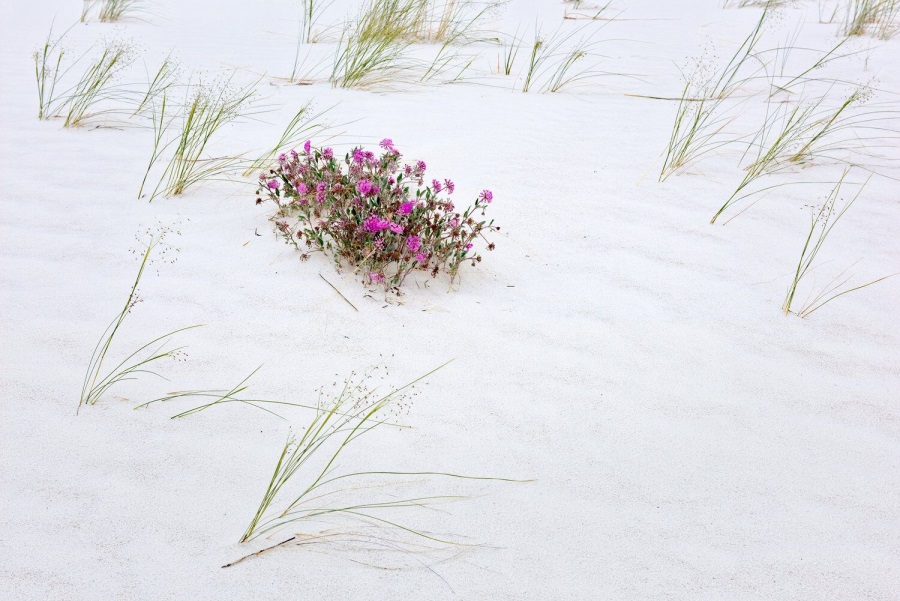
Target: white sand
687,439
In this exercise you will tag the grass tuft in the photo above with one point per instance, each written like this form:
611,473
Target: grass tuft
96,84
97,381
327,492
109,11
880,18
700,116
207,109
822,221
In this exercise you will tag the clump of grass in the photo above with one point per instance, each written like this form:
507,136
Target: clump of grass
880,18
509,50
374,46
326,492
456,28
98,381
108,11
48,70
822,221
699,114
96,84
803,134
450,20
553,58
207,109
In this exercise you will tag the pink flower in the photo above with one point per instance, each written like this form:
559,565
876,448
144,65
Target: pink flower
301,188
420,165
450,186
436,185
306,147
376,277
366,188
328,154
359,156
274,184
395,227
421,257
487,196
406,208
387,144
374,223
469,246
454,222
413,243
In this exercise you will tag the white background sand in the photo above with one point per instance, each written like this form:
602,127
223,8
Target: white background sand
687,439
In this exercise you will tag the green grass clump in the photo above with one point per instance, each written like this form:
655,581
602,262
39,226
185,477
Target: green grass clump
700,114
554,60
109,11
48,69
374,47
206,110
327,492
98,381
880,18
822,222
97,83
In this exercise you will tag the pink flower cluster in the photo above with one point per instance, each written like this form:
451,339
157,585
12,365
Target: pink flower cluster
373,213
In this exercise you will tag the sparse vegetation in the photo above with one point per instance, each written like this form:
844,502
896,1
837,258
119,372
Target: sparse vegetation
373,214
96,83
140,362
328,492
822,221
701,114
879,18
108,11
207,109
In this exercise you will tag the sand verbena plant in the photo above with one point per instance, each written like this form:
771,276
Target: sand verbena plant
373,213
97,379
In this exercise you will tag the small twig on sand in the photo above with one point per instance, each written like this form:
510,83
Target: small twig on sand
339,292
284,542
